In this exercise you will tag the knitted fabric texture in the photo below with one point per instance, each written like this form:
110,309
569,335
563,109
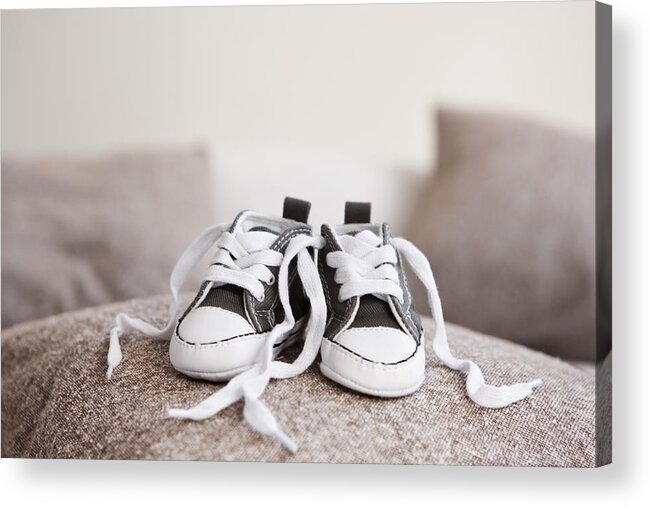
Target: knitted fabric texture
57,403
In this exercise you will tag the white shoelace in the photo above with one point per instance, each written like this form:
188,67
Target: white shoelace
251,383
368,267
249,270
183,267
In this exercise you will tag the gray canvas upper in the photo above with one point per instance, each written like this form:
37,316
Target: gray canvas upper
265,314
367,310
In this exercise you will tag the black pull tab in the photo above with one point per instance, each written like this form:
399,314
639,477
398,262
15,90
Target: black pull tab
357,213
296,209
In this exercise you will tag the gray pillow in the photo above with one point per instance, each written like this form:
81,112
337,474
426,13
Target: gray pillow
82,233
508,223
55,405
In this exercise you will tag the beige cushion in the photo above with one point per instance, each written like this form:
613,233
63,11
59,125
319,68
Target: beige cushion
56,403
83,233
508,224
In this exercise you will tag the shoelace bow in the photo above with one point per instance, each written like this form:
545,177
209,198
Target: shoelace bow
368,267
244,261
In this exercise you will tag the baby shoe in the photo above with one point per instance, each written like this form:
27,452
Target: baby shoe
222,331
374,341
262,292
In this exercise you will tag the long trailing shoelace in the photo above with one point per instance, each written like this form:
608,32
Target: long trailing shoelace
249,269
366,266
184,266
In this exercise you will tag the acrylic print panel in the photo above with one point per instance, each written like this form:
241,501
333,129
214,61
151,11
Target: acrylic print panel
410,256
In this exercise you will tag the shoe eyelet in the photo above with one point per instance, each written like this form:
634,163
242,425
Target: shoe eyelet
259,299
272,281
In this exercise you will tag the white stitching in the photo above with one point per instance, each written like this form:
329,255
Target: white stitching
335,347
244,338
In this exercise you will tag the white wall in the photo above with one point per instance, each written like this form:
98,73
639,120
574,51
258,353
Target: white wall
326,102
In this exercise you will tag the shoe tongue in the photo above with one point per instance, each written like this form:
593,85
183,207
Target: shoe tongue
261,228
356,229
359,242
371,311
251,221
374,312
227,297
231,297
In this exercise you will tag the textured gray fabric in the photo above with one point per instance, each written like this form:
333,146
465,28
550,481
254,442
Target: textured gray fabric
508,225
228,297
78,233
56,403
374,312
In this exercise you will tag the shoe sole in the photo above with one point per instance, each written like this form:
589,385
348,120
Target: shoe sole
367,377
223,353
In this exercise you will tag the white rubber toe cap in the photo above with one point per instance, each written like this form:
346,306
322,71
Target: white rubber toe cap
208,324
214,344
391,366
378,344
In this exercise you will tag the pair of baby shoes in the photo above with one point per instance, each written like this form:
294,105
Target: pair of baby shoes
342,292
